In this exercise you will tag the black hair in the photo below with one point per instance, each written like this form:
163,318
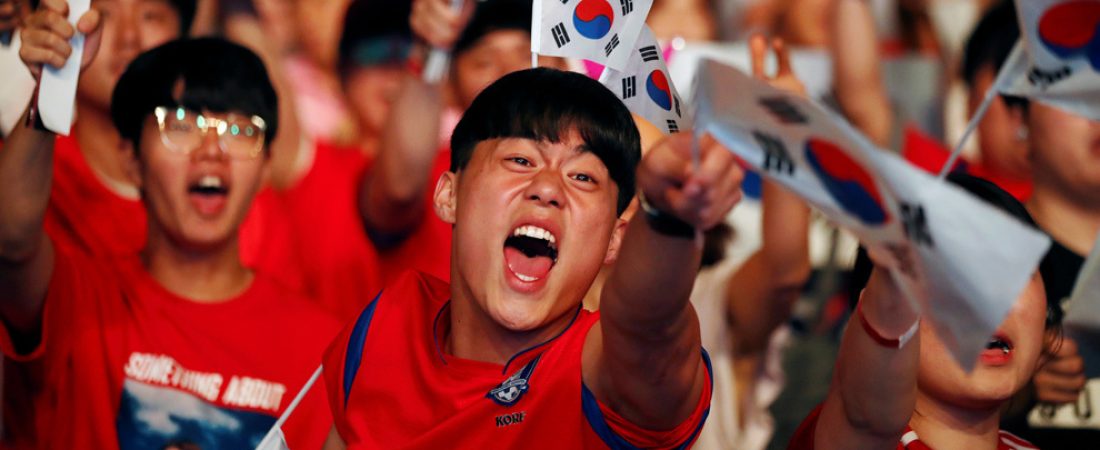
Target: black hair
990,44
375,32
216,75
494,15
987,192
186,11
545,105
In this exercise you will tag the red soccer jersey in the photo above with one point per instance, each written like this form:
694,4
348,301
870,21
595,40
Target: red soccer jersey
428,247
338,262
803,438
127,364
391,386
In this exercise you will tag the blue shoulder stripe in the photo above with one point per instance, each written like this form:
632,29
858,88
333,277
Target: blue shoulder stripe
598,422
354,355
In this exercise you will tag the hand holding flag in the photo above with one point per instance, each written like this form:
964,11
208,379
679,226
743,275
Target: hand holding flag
700,196
948,244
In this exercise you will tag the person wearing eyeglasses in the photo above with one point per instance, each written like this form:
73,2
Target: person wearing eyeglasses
180,342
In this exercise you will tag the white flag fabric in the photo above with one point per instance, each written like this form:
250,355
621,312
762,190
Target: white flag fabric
1062,45
603,31
1083,308
274,440
57,89
963,261
645,87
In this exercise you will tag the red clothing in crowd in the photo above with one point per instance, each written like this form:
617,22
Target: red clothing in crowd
428,247
803,438
928,154
338,262
127,364
391,385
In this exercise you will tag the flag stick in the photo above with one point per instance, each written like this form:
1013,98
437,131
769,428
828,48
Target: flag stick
534,60
990,94
290,408
438,58
697,134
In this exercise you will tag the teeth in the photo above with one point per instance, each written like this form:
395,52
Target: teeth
535,232
525,278
210,181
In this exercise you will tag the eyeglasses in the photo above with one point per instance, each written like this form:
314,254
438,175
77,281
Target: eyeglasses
183,130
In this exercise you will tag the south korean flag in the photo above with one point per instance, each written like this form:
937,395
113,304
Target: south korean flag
603,31
645,87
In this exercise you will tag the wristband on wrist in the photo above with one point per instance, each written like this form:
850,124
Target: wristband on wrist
898,342
665,223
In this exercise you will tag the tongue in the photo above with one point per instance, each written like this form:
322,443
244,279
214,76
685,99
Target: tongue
520,264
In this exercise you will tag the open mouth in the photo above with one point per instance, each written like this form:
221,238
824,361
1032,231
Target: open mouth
530,252
208,193
1001,343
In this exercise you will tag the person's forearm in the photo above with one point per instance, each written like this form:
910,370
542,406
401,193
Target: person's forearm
857,75
26,171
392,193
875,386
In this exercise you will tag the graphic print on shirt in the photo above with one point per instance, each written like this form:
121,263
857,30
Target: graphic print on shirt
511,390
165,405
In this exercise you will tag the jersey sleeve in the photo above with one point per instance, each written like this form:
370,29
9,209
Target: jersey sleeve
74,283
619,433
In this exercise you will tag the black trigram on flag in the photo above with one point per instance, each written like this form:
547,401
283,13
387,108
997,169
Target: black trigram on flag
672,127
676,103
628,6
629,89
916,224
610,47
649,53
561,37
783,110
776,157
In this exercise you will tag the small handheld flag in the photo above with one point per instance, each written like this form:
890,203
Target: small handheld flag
948,245
274,439
603,31
645,87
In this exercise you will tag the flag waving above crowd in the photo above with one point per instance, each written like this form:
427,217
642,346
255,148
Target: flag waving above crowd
646,88
603,31
1061,43
960,272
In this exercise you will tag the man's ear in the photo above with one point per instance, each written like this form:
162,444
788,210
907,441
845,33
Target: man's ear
444,198
131,162
616,241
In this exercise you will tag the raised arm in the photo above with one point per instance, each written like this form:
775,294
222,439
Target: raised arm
242,25
761,292
874,387
392,193
857,71
26,173
645,362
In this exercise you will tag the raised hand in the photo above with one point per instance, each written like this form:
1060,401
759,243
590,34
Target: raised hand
47,33
437,22
784,77
700,196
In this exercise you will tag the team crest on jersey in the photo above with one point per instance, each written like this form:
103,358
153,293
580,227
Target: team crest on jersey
511,390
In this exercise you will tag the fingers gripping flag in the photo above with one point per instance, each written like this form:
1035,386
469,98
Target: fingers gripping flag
603,31
950,248
1061,42
645,87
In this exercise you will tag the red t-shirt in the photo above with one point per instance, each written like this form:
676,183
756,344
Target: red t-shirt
338,262
803,438
928,154
391,386
127,364
428,247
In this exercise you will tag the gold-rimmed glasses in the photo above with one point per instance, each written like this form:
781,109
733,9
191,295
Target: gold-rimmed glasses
183,130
